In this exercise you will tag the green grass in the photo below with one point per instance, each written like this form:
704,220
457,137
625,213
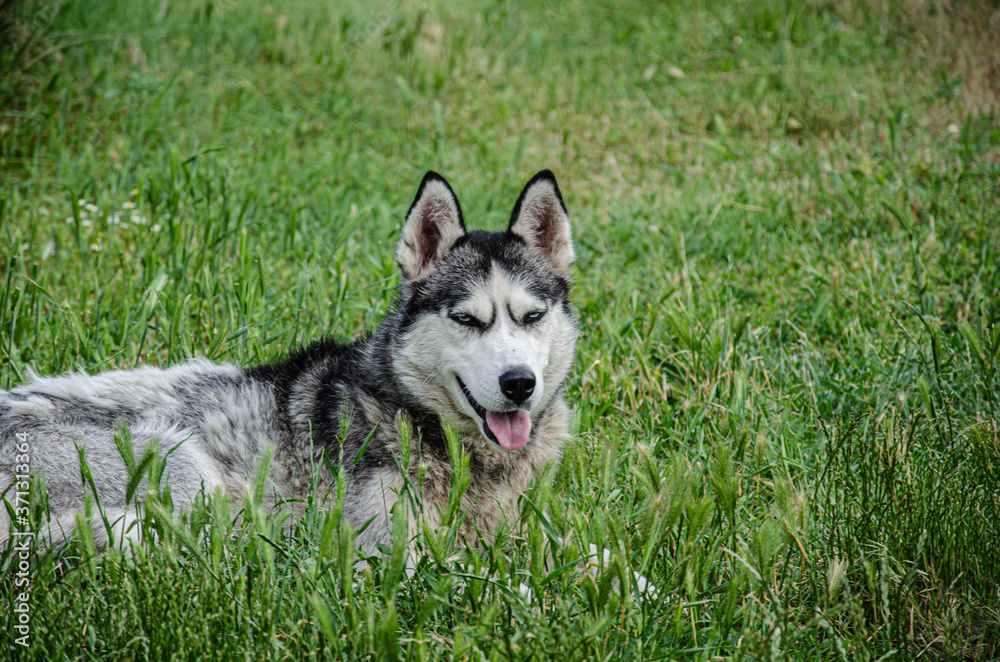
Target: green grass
787,387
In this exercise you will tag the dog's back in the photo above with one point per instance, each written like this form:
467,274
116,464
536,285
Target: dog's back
209,422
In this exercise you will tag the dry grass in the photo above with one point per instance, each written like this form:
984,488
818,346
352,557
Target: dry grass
958,41
951,45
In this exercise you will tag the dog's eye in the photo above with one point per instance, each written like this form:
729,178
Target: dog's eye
465,320
531,318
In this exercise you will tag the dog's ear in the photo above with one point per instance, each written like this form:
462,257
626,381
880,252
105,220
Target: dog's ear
432,226
540,219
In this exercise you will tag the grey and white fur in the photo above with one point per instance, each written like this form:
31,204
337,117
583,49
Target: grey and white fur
481,335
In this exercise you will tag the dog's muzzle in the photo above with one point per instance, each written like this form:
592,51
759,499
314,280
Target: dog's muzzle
508,429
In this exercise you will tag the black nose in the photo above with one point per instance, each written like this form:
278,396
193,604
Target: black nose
518,385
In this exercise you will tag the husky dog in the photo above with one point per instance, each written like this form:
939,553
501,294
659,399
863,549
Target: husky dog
482,336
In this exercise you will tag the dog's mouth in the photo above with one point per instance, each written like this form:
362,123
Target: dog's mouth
509,429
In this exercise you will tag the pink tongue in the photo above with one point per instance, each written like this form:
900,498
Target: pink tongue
511,428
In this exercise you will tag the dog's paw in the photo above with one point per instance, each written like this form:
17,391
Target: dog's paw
600,559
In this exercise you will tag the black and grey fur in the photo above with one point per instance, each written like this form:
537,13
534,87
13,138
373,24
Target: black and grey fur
482,331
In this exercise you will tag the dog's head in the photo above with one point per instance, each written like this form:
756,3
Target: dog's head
486,328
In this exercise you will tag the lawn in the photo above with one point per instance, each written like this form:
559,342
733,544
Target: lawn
787,388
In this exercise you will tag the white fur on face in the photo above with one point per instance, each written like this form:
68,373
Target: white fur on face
479,357
438,349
